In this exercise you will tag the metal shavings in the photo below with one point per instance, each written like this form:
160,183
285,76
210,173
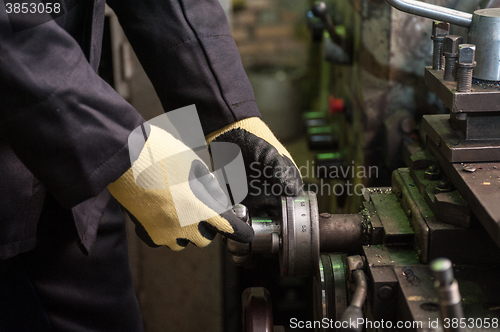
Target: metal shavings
486,183
485,83
469,169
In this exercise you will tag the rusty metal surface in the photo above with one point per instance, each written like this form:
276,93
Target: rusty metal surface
453,145
481,188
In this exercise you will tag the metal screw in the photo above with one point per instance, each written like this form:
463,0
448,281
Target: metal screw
450,52
466,63
439,31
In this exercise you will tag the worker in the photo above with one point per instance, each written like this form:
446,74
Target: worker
65,164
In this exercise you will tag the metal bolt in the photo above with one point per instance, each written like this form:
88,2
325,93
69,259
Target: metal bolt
466,63
442,186
439,31
450,52
385,293
431,173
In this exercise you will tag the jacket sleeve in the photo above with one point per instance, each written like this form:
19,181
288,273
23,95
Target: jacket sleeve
187,50
62,121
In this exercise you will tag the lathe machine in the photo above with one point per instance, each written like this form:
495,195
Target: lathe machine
422,254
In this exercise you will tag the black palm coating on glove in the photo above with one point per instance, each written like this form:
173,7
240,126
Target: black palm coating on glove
265,168
141,232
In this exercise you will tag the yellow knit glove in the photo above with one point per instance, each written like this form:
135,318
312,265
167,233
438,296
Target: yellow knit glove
193,198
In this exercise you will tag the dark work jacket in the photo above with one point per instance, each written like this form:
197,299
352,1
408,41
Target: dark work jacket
63,130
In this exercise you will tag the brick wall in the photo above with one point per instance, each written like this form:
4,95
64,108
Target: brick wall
270,32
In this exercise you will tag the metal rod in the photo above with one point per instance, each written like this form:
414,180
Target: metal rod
450,301
341,233
433,12
359,296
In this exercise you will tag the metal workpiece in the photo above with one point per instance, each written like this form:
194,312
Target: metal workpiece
267,235
439,32
450,301
433,12
239,253
465,66
450,52
485,34
341,232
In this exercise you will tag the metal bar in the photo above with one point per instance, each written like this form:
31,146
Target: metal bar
433,12
359,296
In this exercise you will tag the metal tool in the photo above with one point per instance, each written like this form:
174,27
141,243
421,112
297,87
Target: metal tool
484,31
450,301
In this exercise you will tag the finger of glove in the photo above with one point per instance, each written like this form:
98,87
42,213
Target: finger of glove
287,176
240,230
259,156
206,187
260,205
190,234
141,232
284,172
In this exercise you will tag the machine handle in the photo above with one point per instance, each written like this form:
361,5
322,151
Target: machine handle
319,9
433,12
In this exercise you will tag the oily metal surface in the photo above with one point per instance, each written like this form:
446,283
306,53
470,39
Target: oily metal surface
482,98
481,188
453,145
435,238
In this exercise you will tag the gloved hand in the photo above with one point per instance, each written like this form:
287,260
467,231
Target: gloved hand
145,193
270,170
